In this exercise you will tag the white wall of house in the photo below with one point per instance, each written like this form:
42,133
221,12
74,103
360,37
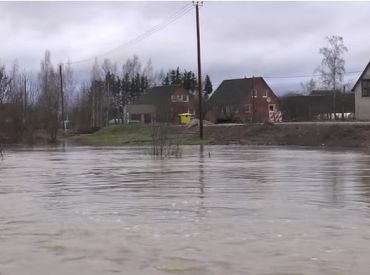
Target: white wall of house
362,104
139,110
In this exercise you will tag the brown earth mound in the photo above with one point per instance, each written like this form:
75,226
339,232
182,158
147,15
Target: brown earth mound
303,134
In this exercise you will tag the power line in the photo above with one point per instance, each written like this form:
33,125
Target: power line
305,76
175,16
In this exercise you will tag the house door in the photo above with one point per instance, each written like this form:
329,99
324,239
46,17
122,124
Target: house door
147,118
272,107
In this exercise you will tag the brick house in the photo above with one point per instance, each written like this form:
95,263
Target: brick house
233,100
362,95
162,104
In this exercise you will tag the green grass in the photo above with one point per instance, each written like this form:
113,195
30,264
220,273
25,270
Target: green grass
130,135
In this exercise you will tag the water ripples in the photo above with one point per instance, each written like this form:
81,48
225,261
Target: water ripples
237,210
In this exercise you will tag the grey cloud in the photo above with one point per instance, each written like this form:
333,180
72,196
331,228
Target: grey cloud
238,38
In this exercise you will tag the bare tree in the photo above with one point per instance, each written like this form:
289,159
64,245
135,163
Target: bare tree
332,67
109,67
48,100
96,71
159,77
309,86
148,72
81,112
4,84
96,77
132,67
69,87
110,71
16,85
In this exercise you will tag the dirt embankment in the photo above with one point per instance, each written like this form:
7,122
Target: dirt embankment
303,134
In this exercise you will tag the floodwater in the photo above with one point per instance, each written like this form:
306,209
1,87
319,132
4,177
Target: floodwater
226,210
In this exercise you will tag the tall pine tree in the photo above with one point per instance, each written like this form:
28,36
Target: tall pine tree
208,89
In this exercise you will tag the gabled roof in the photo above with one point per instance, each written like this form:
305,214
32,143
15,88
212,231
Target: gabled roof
157,95
231,91
358,81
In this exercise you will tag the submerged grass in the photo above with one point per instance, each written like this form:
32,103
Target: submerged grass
131,135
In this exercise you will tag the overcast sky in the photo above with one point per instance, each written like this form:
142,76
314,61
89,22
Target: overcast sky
238,38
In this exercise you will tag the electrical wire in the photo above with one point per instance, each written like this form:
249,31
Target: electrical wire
172,18
304,76
175,16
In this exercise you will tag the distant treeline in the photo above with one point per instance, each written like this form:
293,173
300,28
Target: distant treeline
30,106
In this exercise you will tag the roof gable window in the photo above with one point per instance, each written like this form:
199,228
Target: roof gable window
365,87
180,98
254,93
265,93
247,108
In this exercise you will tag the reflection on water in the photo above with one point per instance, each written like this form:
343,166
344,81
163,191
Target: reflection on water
216,210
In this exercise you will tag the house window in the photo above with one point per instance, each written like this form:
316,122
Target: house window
247,108
265,93
230,109
135,117
180,98
254,93
365,85
272,107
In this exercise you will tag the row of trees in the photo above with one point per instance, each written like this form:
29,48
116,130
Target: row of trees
188,80
33,102
37,100
105,97
108,92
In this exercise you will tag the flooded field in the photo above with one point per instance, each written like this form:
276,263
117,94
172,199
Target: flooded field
223,210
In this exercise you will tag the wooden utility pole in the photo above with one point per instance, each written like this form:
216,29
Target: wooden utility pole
24,114
200,96
62,97
253,95
25,97
108,94
343,98
93,107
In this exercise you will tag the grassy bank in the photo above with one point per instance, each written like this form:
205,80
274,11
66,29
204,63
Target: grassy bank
301,134
133,135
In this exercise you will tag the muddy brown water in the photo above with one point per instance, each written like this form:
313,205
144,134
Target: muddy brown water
226,210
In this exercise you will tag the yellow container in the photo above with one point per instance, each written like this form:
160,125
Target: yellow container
185,118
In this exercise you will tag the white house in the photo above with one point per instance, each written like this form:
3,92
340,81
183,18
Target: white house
362,95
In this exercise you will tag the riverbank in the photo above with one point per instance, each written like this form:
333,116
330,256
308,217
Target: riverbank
340,134
137,135
329,134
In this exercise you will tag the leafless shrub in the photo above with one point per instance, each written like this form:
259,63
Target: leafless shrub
162,146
